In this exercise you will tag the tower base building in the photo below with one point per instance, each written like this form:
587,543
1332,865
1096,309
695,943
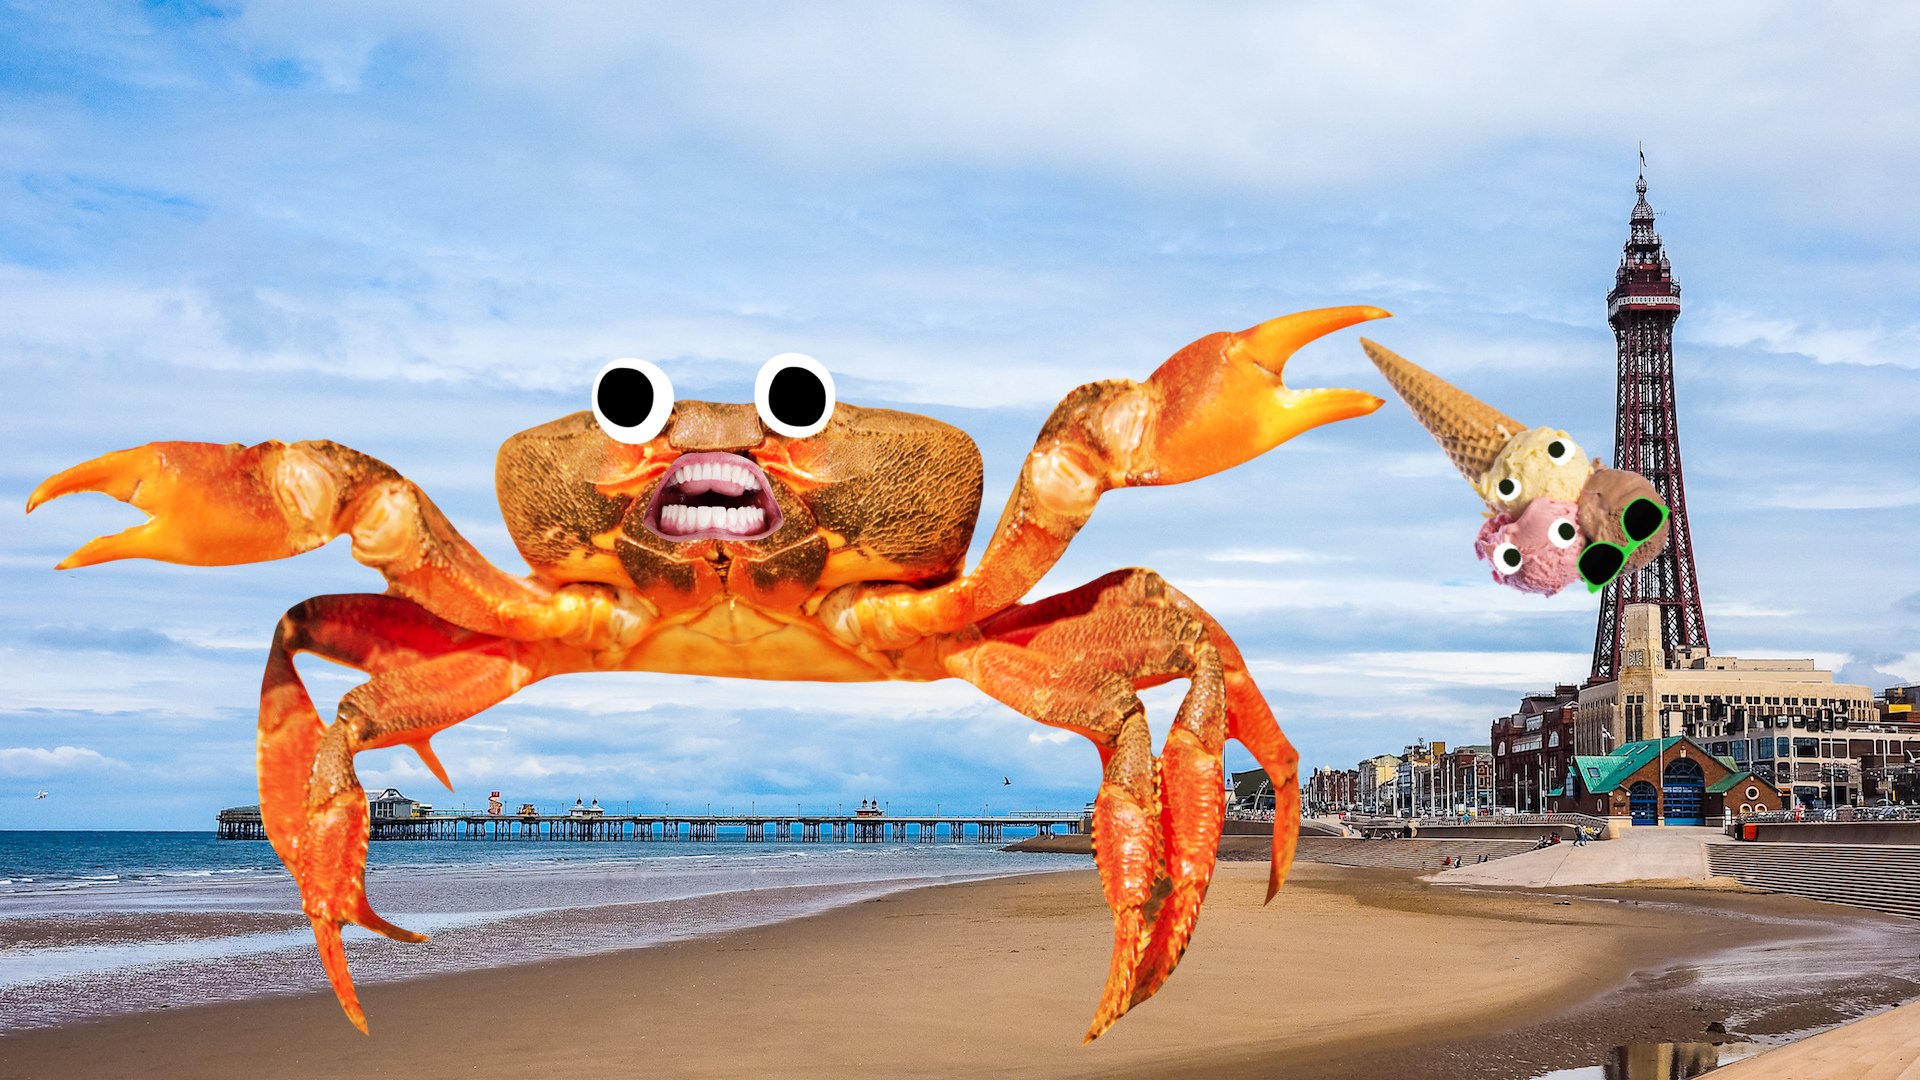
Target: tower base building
1786,721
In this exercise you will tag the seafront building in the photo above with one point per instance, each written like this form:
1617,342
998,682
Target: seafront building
1375,791
1330,790
1786,719
1668,781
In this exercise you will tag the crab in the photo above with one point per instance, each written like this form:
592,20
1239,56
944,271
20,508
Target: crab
794,538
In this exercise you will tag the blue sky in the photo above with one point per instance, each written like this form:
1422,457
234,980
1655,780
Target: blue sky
418,229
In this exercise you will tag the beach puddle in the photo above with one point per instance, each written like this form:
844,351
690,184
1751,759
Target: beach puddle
1659,1061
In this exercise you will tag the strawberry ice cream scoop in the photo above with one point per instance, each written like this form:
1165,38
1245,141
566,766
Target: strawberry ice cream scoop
1537,552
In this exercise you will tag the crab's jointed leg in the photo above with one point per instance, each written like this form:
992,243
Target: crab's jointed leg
1074,661
1126,816
219,505
427,676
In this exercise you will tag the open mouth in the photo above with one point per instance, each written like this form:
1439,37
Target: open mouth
713,496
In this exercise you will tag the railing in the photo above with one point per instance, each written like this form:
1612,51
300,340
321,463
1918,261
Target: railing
1587,820
1830,814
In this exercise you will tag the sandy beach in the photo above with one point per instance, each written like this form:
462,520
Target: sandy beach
1347,973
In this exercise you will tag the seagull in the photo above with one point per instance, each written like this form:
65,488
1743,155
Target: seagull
42,795
1006,782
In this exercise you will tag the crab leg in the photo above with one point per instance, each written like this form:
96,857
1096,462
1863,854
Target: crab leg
1126,813
219,505
1249,720
1214,404
427,676
1127,623
1251,723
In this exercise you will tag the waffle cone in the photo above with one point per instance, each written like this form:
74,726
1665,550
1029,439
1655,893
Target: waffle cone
1468,429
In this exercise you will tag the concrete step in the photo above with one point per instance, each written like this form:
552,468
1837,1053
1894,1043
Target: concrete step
1871,876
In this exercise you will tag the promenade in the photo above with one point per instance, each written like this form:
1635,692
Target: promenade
1884,1047
1669,853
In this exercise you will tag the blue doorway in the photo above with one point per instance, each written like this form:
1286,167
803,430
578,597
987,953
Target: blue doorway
1642,800
1685,787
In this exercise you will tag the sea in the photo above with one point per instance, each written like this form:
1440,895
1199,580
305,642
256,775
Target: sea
99,923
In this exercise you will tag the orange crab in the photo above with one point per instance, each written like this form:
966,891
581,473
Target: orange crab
795,538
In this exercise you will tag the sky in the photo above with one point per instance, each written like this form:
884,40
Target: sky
418,229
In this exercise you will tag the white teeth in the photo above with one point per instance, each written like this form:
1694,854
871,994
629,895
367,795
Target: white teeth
739,520
722,471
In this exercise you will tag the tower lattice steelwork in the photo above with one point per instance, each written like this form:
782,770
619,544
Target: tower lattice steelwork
1642,308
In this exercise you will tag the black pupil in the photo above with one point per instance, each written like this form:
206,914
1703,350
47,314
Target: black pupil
1556,449
796,397
1511,556
1507,487
1566,531
1600,562
625,397
1641,520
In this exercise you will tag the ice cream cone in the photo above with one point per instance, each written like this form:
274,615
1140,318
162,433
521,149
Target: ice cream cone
1468,429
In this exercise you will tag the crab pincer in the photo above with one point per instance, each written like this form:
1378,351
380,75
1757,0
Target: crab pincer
210,504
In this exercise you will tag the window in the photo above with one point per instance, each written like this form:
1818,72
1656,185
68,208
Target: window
1593,773
1753,792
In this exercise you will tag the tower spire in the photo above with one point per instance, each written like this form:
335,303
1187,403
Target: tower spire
1642,308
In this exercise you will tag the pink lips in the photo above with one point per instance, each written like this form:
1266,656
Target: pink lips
713,496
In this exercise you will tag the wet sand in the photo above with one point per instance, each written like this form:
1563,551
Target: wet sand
1348,973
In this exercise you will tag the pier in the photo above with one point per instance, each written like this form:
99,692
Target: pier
243,823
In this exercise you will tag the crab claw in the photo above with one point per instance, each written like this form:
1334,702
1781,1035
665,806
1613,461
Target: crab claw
211,504
1221,401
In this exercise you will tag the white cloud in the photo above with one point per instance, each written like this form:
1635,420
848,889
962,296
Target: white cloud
37,761
1810,335
1226,95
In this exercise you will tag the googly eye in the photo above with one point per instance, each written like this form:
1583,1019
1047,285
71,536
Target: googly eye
1563,532
1507,490
1559,451
1507,559
632,400
794,393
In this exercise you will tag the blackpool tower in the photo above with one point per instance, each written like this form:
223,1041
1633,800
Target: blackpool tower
1642,308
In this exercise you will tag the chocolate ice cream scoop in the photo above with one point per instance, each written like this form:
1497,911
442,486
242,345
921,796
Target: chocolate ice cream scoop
1606,494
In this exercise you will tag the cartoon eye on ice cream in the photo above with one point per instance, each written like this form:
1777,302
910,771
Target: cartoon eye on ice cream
1555,516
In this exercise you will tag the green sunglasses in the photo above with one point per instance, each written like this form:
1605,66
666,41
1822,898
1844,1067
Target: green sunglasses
1602,560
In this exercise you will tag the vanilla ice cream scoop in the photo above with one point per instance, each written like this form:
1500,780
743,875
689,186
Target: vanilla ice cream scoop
1542,462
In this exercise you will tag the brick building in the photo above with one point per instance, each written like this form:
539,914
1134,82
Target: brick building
1532,747
1330,791
1672,781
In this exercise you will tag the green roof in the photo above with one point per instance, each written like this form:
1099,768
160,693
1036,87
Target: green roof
1732,781
1602,773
